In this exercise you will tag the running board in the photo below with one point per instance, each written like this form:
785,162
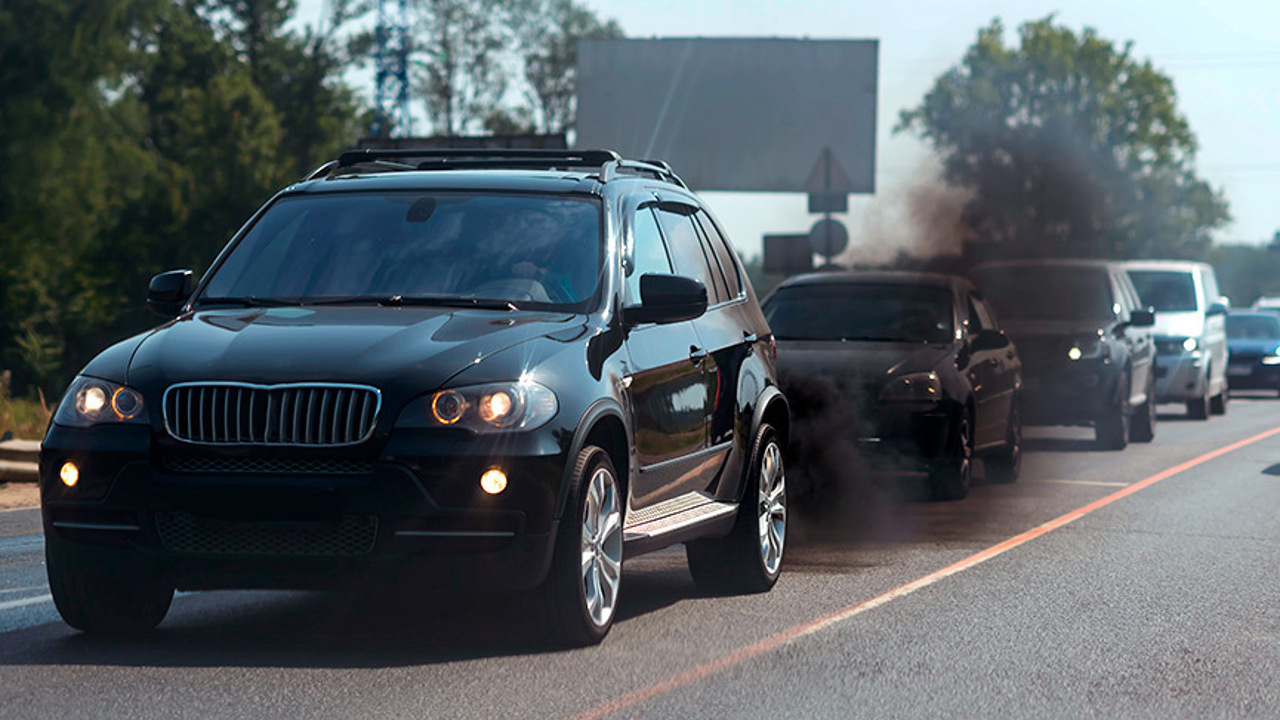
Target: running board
688,521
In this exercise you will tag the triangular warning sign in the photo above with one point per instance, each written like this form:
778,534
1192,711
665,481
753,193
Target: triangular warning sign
828,177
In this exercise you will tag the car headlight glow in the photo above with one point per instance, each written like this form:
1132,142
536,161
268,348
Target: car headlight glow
916,387
90,401
521,405
1086,346
1190,344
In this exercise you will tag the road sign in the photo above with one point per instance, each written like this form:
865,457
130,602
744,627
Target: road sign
828,238
828,185
787,254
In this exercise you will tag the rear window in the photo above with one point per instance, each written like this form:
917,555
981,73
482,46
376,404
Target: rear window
1166,290
526,249
1048,292
870,312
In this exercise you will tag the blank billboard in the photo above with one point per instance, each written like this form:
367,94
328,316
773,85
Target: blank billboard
734,113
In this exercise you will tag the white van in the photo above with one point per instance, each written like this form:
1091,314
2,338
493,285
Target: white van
1191,336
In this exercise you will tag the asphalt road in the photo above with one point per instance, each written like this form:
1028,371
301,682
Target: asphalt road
1159,603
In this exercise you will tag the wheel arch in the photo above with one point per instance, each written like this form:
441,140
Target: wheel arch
603,424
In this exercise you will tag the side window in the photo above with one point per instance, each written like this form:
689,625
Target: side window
1211,291
723,253
1126,297
979,311
686,250
648,254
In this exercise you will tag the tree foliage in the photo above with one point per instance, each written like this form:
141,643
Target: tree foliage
549,45
1072,145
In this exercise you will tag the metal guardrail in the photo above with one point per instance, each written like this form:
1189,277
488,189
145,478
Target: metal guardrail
19,461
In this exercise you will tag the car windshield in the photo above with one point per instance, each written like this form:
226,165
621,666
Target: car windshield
876,312
1166,290
1253,327
525,250
1048,292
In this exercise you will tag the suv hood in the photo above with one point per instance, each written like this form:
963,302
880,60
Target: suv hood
869,361
1180,324
1053,328
410,350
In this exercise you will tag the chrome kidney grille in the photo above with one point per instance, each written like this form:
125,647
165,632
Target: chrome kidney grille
312,415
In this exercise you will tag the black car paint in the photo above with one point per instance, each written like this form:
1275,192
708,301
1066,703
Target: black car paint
984,383
424,478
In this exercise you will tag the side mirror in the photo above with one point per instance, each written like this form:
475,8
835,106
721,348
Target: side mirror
1218,308
168,292
990,340
1142,318
667,299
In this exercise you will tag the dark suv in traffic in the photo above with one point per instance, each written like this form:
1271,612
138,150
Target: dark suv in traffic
492,368
1088,355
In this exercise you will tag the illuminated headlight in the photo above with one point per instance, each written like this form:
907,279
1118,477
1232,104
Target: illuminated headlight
917,387
1086,347
1273,358
522,405
90,401
1190,344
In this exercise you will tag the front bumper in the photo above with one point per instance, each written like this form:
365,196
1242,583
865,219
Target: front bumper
1247,372
909,437
1069,393
252,519
1180,377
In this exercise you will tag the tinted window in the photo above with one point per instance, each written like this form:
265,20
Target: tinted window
979,317
1253,327
723,252
686,249
1048,292
1166,290
539,250
883,312
649,255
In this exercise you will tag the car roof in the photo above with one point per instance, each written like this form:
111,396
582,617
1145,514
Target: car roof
1050,262
1183,265
539,181
875,276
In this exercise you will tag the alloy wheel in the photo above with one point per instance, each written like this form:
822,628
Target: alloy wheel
772,508
601,546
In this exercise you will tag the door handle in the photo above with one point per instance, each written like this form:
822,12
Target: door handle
749,338
697,354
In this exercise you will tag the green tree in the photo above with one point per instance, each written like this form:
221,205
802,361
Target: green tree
549,35
1072,146
461,46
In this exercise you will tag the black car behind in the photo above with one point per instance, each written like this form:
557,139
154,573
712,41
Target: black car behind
933,376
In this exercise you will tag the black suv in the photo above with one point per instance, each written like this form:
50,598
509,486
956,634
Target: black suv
492,368
1088,357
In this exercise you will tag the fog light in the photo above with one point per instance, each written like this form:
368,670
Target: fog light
70,474
493,481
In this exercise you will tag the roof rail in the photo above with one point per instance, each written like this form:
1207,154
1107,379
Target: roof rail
607,162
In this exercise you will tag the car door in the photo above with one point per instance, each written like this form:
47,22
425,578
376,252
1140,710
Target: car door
1139,339
667,380
720,329
992,372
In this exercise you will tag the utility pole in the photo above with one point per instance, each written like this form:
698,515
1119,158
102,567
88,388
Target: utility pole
391,71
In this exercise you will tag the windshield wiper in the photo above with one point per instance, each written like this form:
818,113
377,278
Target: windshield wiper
420,300
248,301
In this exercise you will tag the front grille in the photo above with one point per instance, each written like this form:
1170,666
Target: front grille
267,466
1169,347
1043,352
316,415
186,533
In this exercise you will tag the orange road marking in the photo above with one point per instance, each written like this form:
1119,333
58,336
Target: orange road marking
741,655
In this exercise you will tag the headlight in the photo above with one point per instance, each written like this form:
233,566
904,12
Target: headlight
1087,346
90,401
1190,344
917,387
522,405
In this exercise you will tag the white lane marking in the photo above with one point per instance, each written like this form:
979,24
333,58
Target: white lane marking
1088,482
25,602
29,588
21,509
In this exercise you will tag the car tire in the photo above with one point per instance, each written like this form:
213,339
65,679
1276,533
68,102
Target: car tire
104,598
1198,407
578,600
951,478
749,559
1111,429
1142,427
1218,403
1004,466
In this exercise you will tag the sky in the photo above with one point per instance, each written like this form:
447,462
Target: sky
1223,57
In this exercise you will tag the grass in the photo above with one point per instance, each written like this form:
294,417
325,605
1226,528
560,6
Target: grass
26,419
